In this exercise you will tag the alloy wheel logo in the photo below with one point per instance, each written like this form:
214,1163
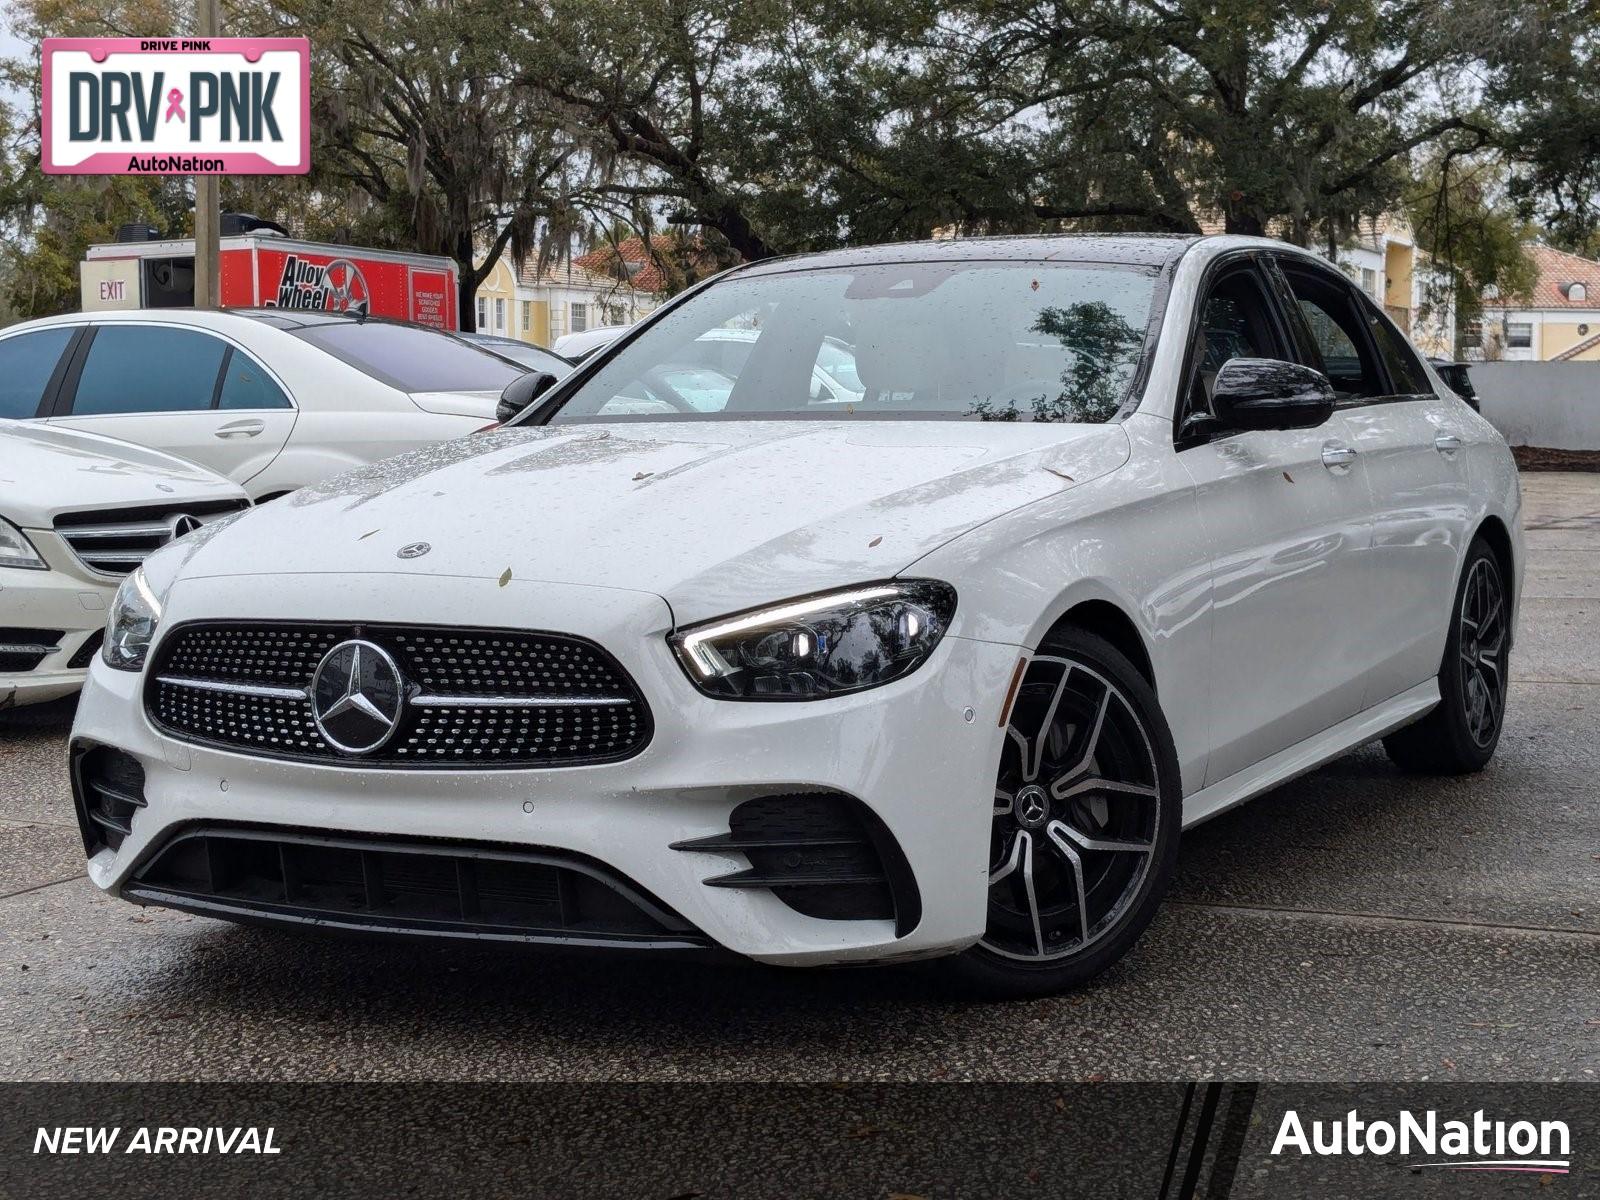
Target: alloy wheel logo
338,286
1476,1144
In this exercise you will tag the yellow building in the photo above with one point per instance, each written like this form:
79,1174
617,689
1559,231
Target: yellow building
539,305
1557,321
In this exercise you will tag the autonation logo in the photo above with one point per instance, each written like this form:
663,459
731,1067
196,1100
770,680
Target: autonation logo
1476,1144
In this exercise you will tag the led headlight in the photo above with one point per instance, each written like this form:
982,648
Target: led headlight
16,550
819,646
132,626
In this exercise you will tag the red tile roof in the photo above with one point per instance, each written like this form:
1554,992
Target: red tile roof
628,259
1558,270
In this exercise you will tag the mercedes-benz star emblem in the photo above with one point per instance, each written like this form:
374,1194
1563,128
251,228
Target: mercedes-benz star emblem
182,523
356,696
1032,806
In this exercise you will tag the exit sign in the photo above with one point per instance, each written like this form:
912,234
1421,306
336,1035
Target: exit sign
176,106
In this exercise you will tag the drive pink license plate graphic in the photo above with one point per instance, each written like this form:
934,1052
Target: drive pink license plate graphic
186,106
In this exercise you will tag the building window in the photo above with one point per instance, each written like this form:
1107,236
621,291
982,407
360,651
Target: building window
527,315
1369,282
1576,291
1474,333
580,317
1519,334
483,312
500,315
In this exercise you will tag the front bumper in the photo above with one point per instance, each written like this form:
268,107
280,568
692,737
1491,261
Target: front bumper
65,598
920,754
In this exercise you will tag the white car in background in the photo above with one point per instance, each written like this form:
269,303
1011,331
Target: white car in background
77,514
578,346
1121,532
272,398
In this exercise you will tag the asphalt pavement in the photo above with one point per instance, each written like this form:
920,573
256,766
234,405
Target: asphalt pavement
1356,924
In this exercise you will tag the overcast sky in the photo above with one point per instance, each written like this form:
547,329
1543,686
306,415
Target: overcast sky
10,44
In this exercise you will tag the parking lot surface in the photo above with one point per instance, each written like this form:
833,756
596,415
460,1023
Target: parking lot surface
1354,924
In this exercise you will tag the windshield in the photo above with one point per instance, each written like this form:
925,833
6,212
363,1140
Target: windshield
412,358
983,340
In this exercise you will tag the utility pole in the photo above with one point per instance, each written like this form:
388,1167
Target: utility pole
207,196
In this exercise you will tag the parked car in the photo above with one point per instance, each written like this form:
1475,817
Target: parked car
273,398
525,354
579,346
77,514
1101,551
1458,378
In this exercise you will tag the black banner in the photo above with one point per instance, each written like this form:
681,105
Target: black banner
677,1141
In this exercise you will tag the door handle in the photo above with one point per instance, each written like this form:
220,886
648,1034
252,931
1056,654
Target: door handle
240,429
1446,443
1335,455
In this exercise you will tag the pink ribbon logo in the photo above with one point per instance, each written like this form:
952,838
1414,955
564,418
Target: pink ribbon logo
174,105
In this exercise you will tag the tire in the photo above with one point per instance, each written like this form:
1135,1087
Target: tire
1067,857
1460,734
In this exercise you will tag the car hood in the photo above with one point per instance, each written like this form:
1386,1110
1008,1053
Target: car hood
46,471
712,516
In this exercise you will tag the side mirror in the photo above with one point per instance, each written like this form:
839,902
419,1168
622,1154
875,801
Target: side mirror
521,392
1267,393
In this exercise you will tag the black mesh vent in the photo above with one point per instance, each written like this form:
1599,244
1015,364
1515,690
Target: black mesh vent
823,854
476,697
415,887
489,663
280,654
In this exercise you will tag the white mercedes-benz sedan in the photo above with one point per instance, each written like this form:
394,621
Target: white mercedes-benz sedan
272,398
77,514
1120,532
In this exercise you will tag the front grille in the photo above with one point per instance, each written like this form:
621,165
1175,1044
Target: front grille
473,698
108,789
24,649
823,854
115,541
366,881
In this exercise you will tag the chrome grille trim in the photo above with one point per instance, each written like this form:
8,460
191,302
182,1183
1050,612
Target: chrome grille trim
114,542
421,700
236,689
432,701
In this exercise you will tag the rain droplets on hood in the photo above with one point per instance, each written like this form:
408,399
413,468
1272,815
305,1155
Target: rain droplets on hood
366,483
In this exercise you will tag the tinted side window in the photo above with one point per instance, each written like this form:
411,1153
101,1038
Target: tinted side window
411,358
1406,376
147,368
1336,321
246,385
1236,322
26,364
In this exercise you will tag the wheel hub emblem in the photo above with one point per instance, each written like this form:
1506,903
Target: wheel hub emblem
356,696
1031,806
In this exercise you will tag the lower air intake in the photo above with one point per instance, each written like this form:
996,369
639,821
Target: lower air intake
825,855
449,889
108,787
